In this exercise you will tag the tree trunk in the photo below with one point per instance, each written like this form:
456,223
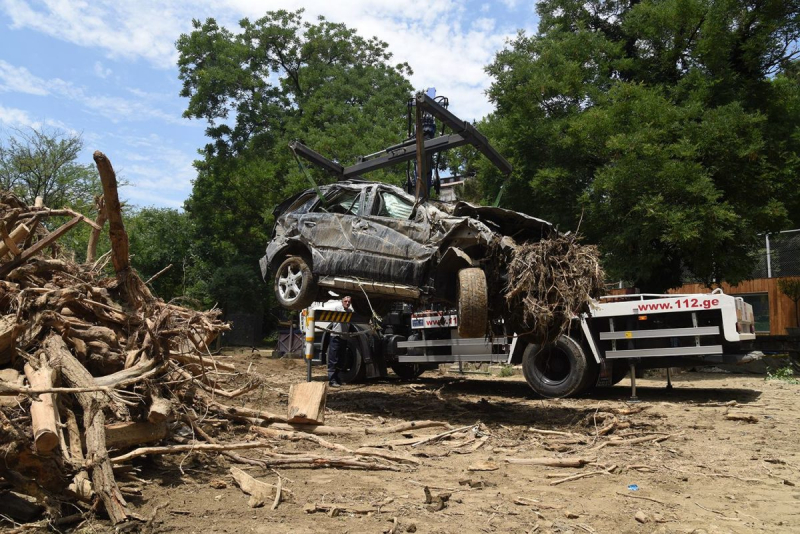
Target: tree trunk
94,422
134,289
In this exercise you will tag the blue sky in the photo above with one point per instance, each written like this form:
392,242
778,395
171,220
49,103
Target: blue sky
106,70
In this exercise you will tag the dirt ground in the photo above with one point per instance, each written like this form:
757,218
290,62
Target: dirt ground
711,474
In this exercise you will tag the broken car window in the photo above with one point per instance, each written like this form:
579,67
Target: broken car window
345,202
391,205
302,204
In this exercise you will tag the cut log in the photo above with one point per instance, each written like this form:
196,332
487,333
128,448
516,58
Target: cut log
307,402
160,410
133,433
43,410
16,237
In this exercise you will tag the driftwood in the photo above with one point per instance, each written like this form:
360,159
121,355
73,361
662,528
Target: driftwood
108,339
297,436
260,492
443,435
550,462
339,431
134,289
178,449
361,451
94,422
634,441
583,475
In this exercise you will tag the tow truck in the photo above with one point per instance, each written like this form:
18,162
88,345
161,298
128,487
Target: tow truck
620,334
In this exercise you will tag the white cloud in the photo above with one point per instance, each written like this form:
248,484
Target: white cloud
16,118
20,80
19,118
434,36
100,71
113,108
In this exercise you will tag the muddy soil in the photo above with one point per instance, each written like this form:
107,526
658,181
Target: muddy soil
699,472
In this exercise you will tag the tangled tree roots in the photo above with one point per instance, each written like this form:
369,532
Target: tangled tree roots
548,282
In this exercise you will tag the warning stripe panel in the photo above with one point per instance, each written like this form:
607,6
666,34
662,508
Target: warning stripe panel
334,317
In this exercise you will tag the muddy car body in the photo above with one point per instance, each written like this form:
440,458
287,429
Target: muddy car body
372,240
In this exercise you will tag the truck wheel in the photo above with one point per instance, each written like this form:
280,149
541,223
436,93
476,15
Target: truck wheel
295,285
408,371
557,369
353,369
473,313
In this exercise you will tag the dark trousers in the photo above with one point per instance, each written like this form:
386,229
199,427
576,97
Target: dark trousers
336,350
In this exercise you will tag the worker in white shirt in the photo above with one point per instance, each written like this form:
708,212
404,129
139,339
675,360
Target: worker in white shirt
338,344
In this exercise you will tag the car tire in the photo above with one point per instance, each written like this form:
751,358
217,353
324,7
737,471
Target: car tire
558,369
408,371
295,285
473,312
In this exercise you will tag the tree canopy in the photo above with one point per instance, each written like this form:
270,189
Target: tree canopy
44,163
669,129
275,80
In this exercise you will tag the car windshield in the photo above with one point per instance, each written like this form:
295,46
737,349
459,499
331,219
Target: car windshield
391,205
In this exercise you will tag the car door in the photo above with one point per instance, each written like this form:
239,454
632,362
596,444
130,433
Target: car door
398,246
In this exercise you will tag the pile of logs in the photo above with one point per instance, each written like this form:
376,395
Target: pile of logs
89,359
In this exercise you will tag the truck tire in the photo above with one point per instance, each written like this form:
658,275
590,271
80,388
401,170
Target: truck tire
408,371
558,369
295,285
353,368
473,312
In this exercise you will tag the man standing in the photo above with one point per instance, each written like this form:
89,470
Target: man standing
338,344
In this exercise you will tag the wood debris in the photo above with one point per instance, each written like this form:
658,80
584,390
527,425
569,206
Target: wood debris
97,350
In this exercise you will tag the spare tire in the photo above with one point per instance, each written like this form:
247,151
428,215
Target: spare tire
295,285
558,369
473,312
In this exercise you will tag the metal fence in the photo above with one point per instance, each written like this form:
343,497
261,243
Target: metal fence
780,255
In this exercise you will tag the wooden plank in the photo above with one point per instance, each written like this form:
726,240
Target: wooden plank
307,402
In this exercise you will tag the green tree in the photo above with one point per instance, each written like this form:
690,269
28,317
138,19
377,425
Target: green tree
160,237
668,128
44,163
275,80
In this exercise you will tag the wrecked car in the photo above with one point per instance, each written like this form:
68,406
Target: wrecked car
380,243
372,241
